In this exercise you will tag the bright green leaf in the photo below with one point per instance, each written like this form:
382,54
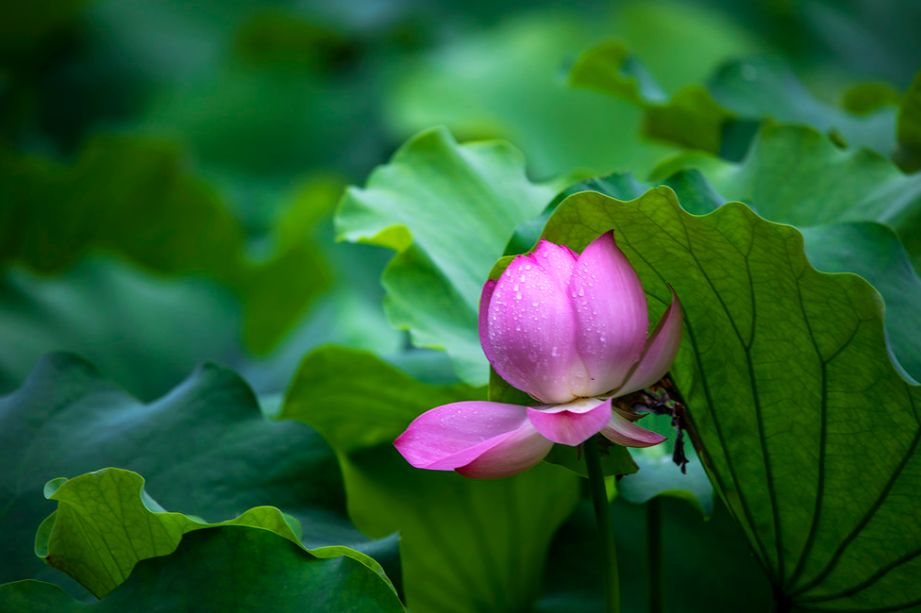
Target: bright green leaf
106,523
448,210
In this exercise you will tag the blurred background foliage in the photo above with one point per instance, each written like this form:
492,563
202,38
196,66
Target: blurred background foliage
182,159
169,170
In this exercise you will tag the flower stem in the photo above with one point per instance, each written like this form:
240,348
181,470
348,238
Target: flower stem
605,530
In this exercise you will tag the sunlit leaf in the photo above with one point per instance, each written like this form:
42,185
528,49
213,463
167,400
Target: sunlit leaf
429,204
106,522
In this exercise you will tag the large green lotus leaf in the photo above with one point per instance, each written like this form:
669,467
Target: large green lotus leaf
867,248
806,429
225,568
426,205
106,522
204,448
138,199
506,82
797,176
466,545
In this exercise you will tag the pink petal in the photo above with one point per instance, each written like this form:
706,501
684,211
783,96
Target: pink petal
611,318
477,438
660,351
573,423
521,450
485,298
624,432
557,261
531,325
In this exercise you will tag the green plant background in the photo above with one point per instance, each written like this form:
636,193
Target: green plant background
241,248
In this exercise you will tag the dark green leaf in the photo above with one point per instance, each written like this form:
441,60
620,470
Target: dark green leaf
909,128
204,448
150,334
137,198
704,566
226,568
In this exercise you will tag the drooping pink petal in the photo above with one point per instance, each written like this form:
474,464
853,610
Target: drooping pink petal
611,318
660,352
573,423
624,432
521,450
531,325
481,439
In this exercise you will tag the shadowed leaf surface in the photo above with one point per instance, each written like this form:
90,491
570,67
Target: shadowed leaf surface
226,568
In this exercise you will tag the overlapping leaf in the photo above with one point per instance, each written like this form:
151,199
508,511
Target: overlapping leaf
797,176
809,433
225,568
204,448
466,545
106,523
448,210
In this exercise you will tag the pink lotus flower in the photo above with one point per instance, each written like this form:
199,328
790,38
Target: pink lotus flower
571,331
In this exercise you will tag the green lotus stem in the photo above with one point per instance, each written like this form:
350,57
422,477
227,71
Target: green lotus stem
605,530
